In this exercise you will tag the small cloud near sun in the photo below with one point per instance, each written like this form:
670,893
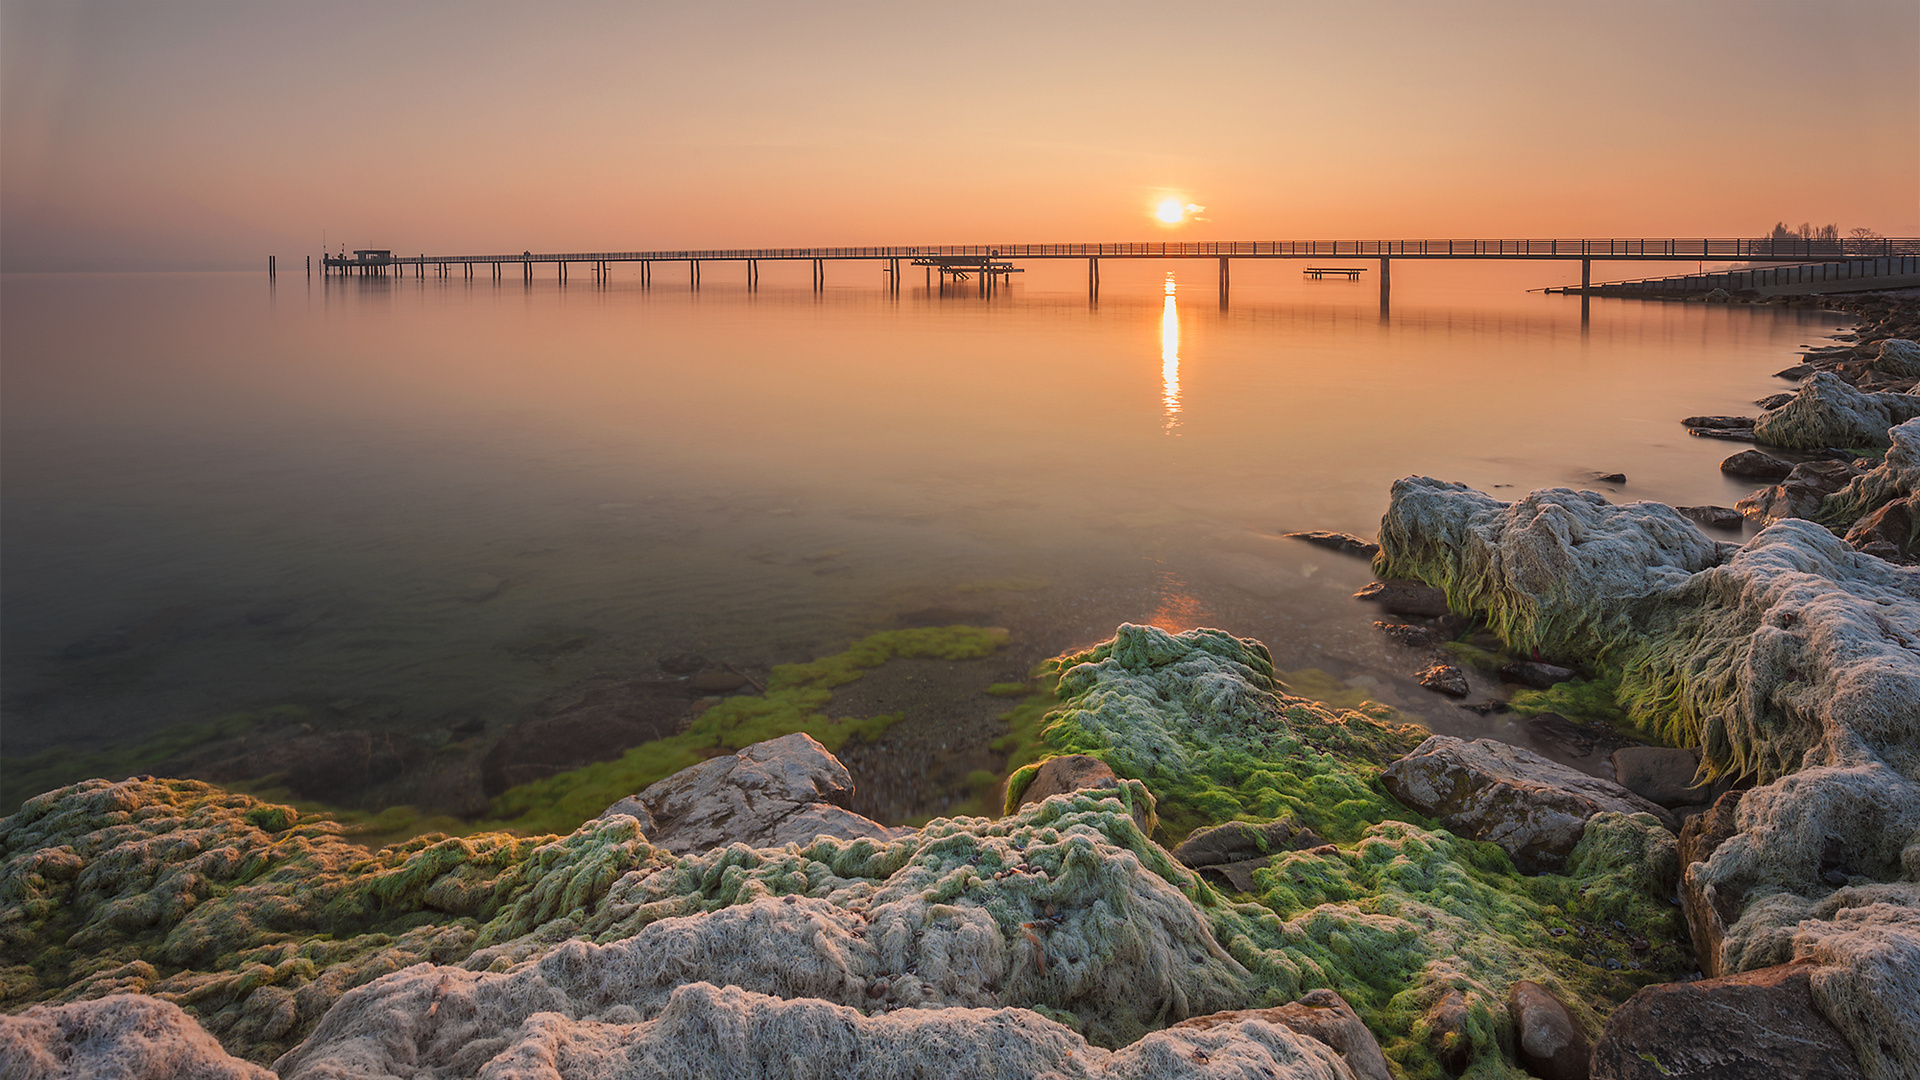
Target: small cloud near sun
1173,211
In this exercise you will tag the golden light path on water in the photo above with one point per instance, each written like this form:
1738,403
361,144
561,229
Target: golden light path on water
1170,360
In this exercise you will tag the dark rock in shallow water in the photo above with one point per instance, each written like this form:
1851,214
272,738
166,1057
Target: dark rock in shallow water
1535,674
1344,543
1446,679
1773,401
1557,733
716,682
1718,421
1757,465
597,725
1405,598
1760,1024
1661,774
1732,434
330,766
1411,635
1608,477
681,663
1535,808
1797,371
1319,1014
1713,517
1546,1039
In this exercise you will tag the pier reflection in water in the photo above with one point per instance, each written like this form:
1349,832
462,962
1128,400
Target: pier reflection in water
427,504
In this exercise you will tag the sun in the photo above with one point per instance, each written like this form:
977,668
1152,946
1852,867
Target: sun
1172,211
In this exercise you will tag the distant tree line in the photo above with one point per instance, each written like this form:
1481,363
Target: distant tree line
1823,239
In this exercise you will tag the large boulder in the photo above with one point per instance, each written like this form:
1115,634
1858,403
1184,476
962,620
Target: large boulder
1760,1023
119,1037
782,791
1534,807
1827,412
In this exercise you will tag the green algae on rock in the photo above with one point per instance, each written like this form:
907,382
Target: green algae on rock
1397,915
795,701
1791,660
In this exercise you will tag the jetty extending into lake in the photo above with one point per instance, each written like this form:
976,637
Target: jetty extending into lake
989,264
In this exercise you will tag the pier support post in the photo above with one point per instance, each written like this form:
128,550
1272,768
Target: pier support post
273,271
1093,277
1223,283
1386,283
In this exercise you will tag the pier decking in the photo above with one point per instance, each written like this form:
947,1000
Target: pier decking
991,263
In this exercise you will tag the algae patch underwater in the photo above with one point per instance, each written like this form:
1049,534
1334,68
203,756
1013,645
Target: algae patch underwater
795,700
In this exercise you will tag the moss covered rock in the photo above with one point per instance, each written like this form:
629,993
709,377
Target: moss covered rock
1828,412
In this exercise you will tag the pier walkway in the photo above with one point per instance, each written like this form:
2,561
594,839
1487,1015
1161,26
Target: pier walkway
989,263
1798,279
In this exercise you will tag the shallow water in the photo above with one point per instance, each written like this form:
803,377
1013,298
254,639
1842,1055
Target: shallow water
418,505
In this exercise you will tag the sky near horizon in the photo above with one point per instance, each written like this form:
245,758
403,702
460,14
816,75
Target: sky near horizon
191,134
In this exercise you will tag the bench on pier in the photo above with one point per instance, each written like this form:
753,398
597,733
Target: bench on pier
1351,273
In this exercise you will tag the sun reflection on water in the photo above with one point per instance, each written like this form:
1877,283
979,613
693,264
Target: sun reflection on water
1170,361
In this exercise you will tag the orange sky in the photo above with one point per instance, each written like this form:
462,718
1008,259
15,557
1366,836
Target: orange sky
185,134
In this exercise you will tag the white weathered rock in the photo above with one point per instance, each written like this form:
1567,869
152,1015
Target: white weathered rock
769,794
1898,356
1828,412
728,1033
121,1037
1534,807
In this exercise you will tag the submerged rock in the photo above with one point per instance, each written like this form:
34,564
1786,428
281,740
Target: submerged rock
1660,774
1405,598
1445,678
1828,412
1534,807
1713,517
1344,543
1759,1023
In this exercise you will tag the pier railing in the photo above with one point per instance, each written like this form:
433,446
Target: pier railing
1669,248
1756,278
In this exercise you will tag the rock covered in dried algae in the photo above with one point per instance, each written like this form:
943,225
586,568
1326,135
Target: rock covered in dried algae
1796,662
1898,356
1562,571
784,790
1320,1014
1800,495
120,1037
1828,412
1534,807
1896,477
728,1033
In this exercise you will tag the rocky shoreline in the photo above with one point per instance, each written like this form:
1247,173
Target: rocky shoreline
1206,876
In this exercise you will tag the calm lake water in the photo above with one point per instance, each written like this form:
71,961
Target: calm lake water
415,505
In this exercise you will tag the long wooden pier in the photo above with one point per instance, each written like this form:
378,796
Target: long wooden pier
990,263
